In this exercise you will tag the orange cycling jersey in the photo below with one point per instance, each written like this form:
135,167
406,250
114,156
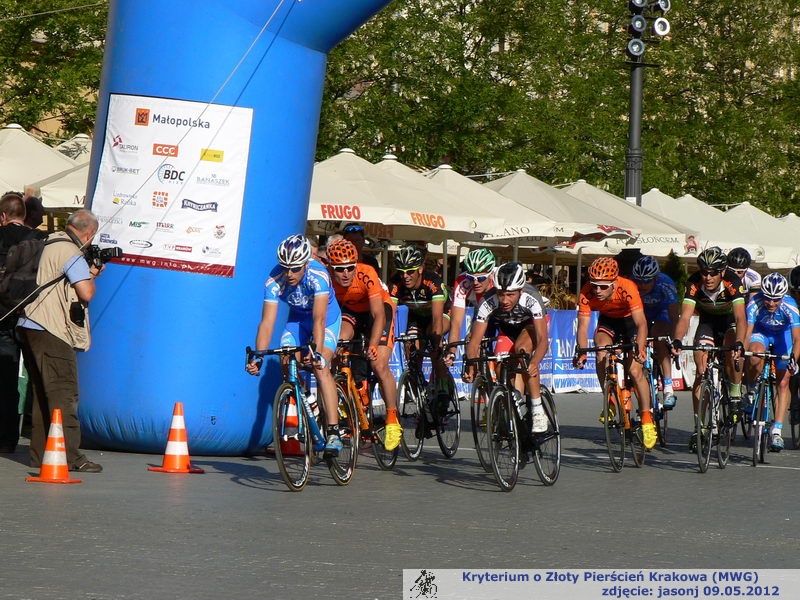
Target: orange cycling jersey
366,284
622,303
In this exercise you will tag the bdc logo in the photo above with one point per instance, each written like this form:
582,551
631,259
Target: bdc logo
169,174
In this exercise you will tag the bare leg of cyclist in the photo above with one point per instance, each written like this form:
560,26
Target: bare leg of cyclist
700,362
734,375
662,353
781,406
386,381
327,387
532,382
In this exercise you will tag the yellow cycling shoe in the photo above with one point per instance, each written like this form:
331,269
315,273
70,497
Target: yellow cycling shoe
612,409
393,435
649,434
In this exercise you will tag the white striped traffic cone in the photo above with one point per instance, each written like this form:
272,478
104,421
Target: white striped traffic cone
176,455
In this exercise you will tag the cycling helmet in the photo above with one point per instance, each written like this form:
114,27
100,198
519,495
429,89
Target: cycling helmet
645,269
738,258
342,252
794,279
409,257
774,286
479,261
603,269
510,277
712,258
294,251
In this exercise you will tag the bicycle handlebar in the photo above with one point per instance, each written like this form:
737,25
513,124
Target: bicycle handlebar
768,355
606,348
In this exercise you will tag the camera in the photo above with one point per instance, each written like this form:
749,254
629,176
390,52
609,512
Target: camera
97,256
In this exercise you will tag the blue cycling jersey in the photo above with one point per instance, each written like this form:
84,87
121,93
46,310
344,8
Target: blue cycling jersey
660,297
300,297
785,317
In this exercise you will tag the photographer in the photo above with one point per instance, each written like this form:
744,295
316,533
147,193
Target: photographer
53,327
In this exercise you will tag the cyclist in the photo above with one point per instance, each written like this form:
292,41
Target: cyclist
773,318
739,262
716,296
660,299
367,310
516,308
621,318
470,287
305,286
794,382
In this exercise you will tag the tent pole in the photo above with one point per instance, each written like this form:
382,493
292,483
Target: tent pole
444,262
385,261
516,249
578,274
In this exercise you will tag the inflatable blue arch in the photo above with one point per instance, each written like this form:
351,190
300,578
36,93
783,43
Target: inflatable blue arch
162,336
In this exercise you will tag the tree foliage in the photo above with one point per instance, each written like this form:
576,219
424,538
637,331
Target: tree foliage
495,85
51,63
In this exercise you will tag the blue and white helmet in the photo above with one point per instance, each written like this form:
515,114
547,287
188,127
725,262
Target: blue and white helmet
646,268
774,286
294,251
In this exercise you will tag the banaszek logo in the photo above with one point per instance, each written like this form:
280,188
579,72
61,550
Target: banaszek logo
211,251
165,226
120,146
219,231
168,173
211,155
205,206
142,117
191,229
140,244
160,199
213,179
138,224
107,239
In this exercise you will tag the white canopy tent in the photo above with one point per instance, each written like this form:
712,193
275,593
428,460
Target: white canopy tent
346,188
64,190
766,227
78,148
24,159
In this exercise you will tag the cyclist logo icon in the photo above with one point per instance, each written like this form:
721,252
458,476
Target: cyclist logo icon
424,586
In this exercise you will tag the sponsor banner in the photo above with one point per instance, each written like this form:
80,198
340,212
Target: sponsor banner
171,182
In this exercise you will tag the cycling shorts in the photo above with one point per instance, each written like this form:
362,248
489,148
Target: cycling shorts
299,332
712,328
782,341
362,324
620,329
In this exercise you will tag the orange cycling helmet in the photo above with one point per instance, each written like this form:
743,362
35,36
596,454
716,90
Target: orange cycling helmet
604,269
342,252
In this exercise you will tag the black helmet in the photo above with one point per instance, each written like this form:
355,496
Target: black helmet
409,257
510,276
712,258
739,258
794,280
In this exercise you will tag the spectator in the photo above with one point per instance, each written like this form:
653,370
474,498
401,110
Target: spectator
53,327
34,212
534,276
353,232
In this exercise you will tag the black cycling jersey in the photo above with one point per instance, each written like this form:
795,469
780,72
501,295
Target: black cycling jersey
420,300
721,302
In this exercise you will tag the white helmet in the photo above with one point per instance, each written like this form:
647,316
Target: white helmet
294,251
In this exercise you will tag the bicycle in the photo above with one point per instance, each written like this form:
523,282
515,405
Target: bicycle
372,427
509,428
482,384
794,410
297,429
763,411
619,420
421,409
652,372
716,422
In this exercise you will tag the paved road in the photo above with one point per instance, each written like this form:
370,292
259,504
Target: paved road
237,532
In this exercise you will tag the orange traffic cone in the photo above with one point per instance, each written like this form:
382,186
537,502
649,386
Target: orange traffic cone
54,464
176,456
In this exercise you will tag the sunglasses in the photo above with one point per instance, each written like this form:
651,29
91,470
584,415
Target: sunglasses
710,272
294,269
353,229
407,271
477,278
601,286
768,299
344,268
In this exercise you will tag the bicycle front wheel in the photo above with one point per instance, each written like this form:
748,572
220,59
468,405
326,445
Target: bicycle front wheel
760,433
547,444
447,416
613,425
478,405
504,450
343,465
291,438
703,424
386,459
409,413
636,439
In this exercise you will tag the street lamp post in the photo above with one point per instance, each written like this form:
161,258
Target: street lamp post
643,21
